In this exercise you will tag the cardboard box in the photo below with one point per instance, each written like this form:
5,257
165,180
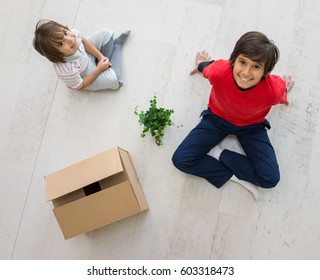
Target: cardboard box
95,192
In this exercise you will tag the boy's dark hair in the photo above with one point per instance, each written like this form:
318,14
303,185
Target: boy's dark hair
257,47
47,37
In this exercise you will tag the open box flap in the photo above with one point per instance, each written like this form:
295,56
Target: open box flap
99,209
83,173
134,179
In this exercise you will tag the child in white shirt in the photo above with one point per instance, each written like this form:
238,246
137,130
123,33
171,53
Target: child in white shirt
92,63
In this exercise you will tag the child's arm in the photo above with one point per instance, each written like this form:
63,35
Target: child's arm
103,65
90,48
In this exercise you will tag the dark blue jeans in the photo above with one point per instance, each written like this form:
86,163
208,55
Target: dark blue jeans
259,166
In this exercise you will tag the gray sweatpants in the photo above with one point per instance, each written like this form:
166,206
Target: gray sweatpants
108,79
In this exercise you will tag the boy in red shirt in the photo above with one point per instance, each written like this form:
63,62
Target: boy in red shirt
243,92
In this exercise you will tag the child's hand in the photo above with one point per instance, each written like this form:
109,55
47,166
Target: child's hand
200,57
104,64
101,57
289,84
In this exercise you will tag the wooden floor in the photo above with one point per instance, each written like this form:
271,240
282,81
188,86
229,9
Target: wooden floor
45,127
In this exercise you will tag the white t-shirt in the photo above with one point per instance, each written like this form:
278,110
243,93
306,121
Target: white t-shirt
72,71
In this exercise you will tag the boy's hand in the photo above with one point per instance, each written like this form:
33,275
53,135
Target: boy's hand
200,57
101,57
289,84
104,64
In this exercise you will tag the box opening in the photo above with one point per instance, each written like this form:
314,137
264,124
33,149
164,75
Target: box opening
90,189
113,180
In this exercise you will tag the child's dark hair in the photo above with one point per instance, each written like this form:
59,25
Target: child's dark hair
47,37
257,47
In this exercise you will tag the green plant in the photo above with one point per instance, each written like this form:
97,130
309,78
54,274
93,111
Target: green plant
154,120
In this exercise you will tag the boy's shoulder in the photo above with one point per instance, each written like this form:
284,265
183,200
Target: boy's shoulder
218,67
276,87
224,63
276,82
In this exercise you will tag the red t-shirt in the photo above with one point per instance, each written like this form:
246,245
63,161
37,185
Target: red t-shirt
242,107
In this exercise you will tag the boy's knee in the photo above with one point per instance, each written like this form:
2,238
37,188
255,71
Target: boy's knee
180,160
177,159
269,180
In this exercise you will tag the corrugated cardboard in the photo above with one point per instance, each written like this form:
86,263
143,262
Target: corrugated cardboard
95,192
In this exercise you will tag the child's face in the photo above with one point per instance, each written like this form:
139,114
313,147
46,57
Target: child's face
246,72
69,44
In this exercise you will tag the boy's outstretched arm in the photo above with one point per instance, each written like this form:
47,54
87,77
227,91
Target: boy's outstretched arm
202,56
289,83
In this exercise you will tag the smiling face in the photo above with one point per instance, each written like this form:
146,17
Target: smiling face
69,44
246,72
